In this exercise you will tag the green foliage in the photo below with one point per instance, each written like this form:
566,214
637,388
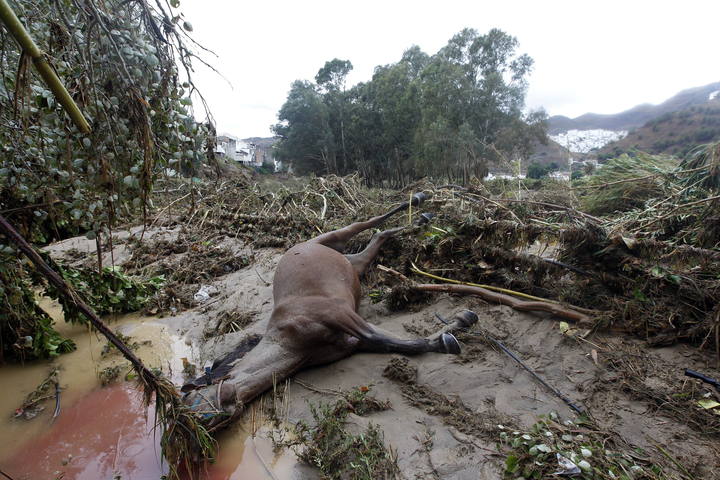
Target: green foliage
537,170
110,291
122,72
121,69
533,454
445,115
26,331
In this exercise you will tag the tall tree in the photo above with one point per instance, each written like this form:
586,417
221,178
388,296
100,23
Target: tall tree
449,115
304,131
331,79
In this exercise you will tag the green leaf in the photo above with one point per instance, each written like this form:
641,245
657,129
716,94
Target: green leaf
512,464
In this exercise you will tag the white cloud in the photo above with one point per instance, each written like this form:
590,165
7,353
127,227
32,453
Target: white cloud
602,57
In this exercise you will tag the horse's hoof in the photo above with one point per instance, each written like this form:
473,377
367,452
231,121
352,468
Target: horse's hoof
467,318
450,343
418,198
424,218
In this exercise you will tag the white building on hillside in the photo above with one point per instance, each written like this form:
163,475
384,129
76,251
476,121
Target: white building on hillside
232,148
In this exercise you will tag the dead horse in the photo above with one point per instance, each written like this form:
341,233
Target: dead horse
314,321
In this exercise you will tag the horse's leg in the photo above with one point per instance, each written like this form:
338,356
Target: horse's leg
257,372
442,341
361,261
337,239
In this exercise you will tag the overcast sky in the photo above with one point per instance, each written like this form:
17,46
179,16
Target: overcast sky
600,56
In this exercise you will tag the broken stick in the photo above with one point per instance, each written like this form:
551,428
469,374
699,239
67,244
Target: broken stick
496,297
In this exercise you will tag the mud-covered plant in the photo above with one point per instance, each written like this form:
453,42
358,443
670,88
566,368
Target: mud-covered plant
338,453
577,449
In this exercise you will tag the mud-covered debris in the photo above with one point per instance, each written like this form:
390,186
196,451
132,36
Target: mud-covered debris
110,374
400,370
401,297
452,412
340,454
230,321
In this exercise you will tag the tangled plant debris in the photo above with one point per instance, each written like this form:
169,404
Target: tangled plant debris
338,453
660,285
578,449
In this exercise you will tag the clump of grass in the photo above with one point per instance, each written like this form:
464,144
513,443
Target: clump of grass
625,183
538,453
231,321
704,164
109,375
340,454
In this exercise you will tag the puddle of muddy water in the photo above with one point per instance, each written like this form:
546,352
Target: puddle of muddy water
108,432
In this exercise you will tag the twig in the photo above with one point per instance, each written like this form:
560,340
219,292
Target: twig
313,388
56,413
500,206
552,205
672,459
6,475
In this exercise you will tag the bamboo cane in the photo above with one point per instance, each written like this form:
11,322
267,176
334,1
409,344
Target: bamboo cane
17,30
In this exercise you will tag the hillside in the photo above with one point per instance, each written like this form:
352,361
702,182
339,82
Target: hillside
553,152
634,117
673,133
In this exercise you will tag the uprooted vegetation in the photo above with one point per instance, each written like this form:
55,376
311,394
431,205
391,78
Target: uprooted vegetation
185,262
581,450
339,453
651,271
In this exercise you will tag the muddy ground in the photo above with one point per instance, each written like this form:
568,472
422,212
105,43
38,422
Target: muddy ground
446,424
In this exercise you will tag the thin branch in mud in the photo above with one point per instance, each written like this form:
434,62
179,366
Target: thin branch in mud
502,299
315,389
507,291
494,297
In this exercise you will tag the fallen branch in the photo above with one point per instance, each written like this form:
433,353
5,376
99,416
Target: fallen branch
495,297
183,438
416,269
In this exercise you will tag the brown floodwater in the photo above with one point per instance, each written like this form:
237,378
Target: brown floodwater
107,432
